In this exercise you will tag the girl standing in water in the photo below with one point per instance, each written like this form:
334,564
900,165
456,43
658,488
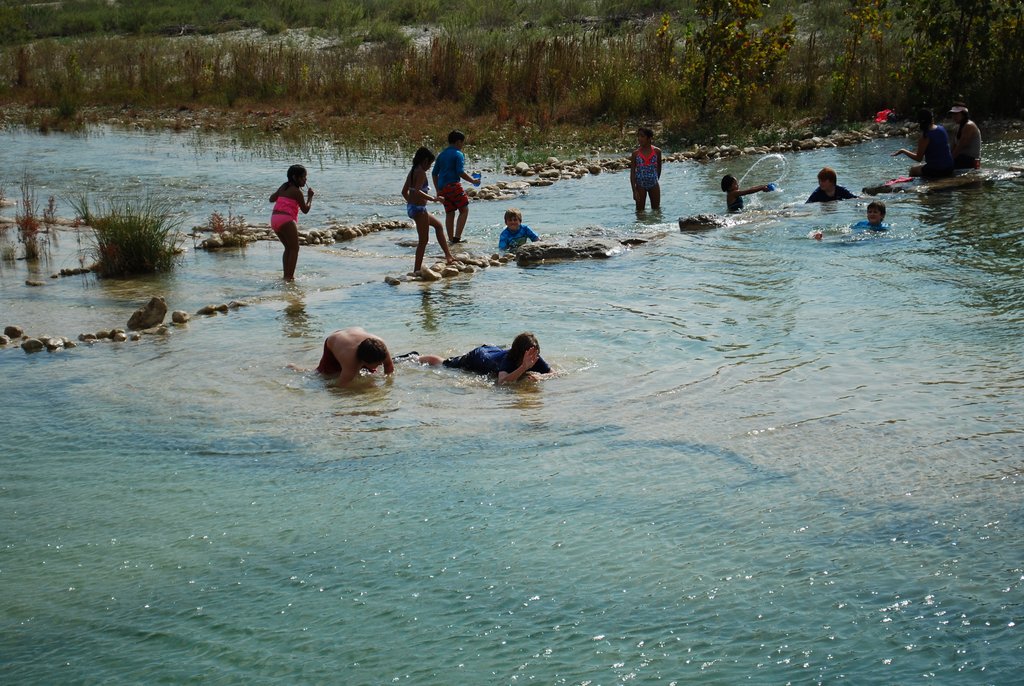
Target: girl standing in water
284,219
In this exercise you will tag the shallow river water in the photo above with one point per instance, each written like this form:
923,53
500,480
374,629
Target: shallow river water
766,459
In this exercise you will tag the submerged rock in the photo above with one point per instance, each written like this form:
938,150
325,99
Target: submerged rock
180,317
4,340
590,248
32,345
13,332
150,315
702,222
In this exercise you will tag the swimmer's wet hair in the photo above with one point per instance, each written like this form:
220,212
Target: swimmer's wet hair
372,351
827,174
520,345
513,212
877,205
727,182
646,131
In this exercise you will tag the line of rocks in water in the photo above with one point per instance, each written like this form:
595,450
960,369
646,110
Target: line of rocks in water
250,233
147,320
554,169
465,263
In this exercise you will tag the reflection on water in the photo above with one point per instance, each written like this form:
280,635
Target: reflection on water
297,322
810,451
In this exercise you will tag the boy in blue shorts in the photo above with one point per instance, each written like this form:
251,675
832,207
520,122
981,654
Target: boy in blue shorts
516,232
449,172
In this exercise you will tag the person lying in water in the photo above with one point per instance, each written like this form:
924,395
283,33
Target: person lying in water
347,351
522,359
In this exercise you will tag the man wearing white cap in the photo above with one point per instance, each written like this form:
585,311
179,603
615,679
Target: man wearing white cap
966,140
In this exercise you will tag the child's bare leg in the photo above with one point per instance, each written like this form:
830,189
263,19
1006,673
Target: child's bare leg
433,360
441,240
422,236
655,194
463,216
289,237
449,224
640,195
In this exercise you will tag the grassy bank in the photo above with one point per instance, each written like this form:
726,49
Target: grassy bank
520,73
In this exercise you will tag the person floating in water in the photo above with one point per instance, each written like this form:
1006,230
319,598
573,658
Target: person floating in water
875,220
733,194
645,171
521,360
516,232
932,149
827,189
875,213
347,351
284,219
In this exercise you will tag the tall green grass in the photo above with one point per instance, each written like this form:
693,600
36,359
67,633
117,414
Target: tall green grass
131,235
696,65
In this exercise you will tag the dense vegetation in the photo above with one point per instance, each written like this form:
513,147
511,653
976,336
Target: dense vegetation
697,66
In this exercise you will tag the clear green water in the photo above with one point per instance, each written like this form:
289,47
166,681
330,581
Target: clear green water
768,459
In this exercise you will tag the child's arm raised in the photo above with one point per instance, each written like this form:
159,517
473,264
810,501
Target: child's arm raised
529,359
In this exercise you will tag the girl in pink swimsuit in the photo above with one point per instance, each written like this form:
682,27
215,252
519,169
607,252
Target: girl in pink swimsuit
284,219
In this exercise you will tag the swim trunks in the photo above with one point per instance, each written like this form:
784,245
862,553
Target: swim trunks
453,197
285,210
328,363
646,169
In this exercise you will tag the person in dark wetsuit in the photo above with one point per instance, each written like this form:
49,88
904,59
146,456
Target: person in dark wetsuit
932,149
522,359
827,190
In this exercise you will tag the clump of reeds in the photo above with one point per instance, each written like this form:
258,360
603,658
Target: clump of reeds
131,235
27,221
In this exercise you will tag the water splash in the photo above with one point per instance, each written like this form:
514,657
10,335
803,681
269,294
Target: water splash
772,164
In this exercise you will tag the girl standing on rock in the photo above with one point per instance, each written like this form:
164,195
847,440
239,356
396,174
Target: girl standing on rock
416,198
284,220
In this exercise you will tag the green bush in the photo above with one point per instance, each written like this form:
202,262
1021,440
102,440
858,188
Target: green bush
131,235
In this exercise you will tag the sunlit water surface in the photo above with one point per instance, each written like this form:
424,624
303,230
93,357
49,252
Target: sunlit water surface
766,459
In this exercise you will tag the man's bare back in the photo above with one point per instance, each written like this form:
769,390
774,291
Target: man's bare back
346,351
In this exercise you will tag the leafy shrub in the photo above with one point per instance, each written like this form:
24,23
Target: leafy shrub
230,230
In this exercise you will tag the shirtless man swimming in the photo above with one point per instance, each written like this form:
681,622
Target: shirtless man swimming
346,351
